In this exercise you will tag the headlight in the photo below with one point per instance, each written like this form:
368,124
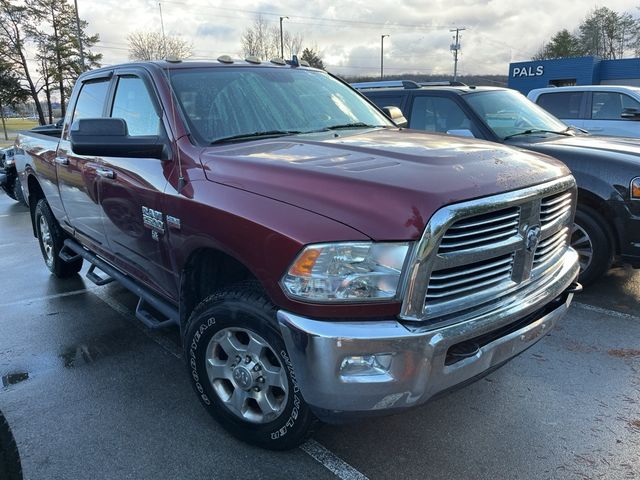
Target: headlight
635,188
346,272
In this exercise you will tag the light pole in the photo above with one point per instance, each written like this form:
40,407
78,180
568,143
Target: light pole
382,56
282,38
455,48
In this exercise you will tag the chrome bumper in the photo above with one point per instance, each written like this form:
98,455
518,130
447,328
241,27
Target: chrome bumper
357,368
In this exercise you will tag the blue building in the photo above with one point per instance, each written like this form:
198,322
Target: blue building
525,76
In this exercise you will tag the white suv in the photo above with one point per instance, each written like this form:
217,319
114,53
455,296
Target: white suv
600,109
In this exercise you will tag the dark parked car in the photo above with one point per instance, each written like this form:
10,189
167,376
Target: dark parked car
607,169
9,180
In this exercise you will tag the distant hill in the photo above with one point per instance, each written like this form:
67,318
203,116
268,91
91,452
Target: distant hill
491,80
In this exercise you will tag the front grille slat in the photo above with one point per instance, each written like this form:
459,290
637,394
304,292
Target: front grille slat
548,248
554,207
457,291
481,230
454,283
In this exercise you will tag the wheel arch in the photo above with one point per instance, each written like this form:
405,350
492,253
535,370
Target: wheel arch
599,205
205,271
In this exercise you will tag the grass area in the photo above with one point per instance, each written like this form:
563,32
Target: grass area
14,125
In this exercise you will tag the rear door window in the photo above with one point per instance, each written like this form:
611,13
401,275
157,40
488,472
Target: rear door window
562,104
91,100
609,105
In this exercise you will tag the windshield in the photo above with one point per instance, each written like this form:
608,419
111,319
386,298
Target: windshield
234,102
508,113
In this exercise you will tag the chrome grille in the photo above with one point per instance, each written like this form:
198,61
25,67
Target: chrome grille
477,253
481,230
550,247
457,281
555,207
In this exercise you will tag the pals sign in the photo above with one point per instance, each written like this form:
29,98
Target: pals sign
528,71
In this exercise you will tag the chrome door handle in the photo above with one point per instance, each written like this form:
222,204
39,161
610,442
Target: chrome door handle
62,160
105,173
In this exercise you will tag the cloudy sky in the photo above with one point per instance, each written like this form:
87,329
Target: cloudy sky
348,33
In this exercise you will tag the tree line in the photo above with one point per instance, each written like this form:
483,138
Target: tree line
604,33
51,31
263,40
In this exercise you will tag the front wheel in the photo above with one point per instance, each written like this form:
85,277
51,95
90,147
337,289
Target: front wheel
51,239
589,238
240,370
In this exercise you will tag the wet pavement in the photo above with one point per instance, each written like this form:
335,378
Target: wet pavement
91,393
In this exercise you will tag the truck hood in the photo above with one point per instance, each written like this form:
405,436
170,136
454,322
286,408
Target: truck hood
384,183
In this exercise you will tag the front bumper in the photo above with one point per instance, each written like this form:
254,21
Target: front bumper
414,364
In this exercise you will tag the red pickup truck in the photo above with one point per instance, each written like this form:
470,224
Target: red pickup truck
320,261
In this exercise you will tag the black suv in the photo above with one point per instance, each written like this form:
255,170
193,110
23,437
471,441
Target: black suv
607,169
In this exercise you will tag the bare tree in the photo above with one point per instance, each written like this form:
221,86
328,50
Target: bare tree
292,43
261,40
151,46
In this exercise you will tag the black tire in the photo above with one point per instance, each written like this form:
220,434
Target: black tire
248,309
8,189
591,233
10,467
17,192
51,239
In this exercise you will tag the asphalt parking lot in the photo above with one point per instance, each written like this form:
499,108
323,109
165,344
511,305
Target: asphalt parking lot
91,393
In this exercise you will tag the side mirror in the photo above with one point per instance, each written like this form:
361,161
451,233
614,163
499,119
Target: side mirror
396,116
630,114
461,132
109,137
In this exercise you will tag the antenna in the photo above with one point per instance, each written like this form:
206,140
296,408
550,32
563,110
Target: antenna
181,181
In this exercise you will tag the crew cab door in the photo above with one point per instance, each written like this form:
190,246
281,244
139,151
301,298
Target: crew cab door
131,189
605,115
79,175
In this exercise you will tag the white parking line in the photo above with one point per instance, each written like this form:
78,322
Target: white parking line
154,335
331,462
606,311
28,301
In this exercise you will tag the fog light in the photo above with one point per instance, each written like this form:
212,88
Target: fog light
366,365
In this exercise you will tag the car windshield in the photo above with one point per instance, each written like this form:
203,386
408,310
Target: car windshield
236,103
508,113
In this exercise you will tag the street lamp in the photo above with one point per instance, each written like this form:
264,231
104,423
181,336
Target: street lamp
281,38
382,56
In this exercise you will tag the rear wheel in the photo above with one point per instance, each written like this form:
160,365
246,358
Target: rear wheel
51,239
241,371
589,238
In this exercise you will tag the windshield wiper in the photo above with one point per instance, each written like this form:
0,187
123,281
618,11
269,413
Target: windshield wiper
265,134
536,130
352,125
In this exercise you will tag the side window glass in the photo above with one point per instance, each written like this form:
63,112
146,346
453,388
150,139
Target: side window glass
133,103
562,104
438,114
628,102
90,101
606,106
387,101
